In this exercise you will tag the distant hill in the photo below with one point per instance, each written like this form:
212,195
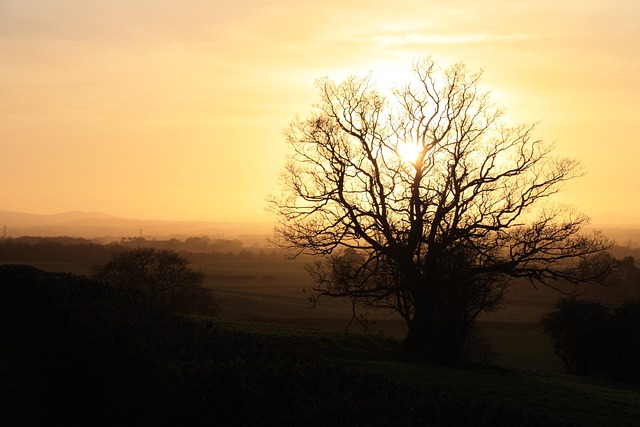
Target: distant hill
624,229
104,226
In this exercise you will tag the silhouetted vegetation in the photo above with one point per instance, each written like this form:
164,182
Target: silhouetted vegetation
158,276
593,338
625,280
54,249
437,236
201,244
84,251
79,352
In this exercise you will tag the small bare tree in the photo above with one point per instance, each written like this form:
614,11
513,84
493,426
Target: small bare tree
159,276
435,234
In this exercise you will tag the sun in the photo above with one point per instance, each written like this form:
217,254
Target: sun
409,151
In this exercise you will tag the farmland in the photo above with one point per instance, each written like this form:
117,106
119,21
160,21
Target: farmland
270,289
264,307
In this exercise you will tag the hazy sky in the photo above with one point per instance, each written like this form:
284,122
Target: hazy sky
167,109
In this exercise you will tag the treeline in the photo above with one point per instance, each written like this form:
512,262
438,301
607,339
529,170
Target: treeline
58,249
622,283
202,244
79,250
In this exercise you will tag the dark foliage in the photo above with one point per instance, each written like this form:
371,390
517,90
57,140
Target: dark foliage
592,338
78,352
59,249
578,332
158,276
626,278
624,326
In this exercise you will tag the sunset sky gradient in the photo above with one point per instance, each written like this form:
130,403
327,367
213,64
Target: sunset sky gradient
166,109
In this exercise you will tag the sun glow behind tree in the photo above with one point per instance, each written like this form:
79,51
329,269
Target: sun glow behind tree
409,152
440,201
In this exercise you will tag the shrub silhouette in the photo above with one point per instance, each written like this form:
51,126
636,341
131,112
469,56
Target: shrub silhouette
624,325
159,276
592,338
577,330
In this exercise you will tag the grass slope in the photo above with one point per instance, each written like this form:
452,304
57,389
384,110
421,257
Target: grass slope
579,400
584,401
74,352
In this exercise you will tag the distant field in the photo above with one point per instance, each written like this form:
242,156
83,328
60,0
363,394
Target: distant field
271,290
58,267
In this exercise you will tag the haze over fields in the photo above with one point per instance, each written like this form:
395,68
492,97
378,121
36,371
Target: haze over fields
624,229
101,225
174,110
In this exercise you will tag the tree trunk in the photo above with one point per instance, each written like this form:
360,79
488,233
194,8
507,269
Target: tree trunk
415,343
436,333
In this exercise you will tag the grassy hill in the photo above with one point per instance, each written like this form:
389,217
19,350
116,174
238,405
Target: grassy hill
579,400
73,352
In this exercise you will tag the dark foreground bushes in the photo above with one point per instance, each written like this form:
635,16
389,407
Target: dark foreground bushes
593,338
75,352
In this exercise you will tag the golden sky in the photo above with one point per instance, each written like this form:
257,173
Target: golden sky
167,109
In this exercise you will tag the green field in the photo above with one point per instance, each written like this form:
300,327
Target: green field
583,401
272,291
264,299
580,400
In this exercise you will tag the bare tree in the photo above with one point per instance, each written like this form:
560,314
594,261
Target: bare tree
159,276
436,235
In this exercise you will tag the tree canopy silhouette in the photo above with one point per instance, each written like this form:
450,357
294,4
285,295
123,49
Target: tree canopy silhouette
593,338
434,235
159,276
